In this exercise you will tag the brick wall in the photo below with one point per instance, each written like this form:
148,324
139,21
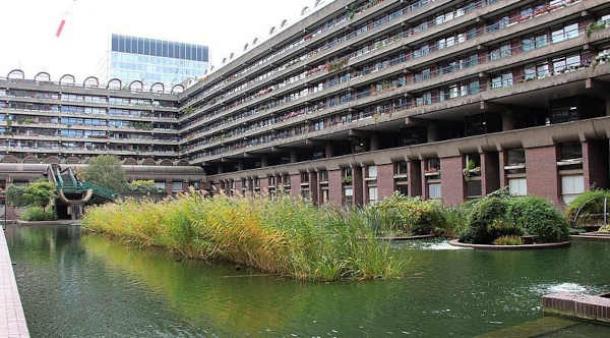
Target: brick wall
490,173
385,180
358,185
415,178
542,175
452,180
335,188
595,164
295,185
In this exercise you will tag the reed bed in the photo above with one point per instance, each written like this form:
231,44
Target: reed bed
282,236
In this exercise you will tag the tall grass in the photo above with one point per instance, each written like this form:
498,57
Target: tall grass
285,236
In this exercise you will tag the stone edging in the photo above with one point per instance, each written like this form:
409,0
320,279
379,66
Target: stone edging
456,242
596,236
60,222
406,238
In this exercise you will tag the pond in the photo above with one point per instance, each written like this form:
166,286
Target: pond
75,284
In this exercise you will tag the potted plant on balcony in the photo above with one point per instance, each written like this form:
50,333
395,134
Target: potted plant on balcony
347,180
471,169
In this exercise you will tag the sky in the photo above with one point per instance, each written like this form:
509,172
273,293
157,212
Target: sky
28,29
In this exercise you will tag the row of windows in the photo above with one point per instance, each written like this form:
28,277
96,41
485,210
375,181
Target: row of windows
176,50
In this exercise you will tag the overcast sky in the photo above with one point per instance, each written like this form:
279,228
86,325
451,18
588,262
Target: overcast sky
28,28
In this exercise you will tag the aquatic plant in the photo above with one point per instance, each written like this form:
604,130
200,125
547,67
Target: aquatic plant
399,213
284,236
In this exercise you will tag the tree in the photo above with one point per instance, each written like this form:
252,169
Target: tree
143,187
106,171
40,194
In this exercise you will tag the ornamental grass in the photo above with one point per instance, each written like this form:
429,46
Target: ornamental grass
282,236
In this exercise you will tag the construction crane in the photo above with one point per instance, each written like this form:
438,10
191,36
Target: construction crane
66,15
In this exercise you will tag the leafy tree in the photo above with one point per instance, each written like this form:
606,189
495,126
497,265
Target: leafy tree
38,194
106,171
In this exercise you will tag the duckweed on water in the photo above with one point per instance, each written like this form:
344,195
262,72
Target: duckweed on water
282,236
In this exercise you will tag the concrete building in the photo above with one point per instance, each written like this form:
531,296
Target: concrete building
441,99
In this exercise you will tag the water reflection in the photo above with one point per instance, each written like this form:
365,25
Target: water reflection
66,277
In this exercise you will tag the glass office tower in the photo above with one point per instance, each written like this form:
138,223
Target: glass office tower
151,60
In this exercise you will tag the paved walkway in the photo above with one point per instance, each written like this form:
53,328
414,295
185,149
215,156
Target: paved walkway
12,319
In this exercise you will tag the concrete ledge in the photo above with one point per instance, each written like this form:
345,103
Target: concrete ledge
594,236
12,318
579,306
58,222
405,238
540,246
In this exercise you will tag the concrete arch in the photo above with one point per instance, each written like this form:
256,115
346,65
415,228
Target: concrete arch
67,80
166,163
51,160
73,160
157,87
130,161
148,161
114,84
31,159
16,74
91,82
177,89
136,86
43,77
10,159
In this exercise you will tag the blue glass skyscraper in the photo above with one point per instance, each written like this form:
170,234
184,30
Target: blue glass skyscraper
151,60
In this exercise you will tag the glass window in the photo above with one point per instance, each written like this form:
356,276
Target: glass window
373,197
528,44
517,186
434,191
571,187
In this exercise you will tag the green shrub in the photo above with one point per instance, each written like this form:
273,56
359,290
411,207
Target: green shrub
503,228
589,206
508,240
410,215
37,214
486,213
539,218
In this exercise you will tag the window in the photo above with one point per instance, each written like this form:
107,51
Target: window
372,171
177,186
373,194
434,191
528,44
517,186
571,187
565,33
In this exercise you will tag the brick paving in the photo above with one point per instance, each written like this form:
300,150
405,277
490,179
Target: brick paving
12,318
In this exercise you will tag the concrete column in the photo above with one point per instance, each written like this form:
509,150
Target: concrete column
295,185
508,121
542,174
374,142
313,187
424,186
220,170
357,185
414,176
168,187
595,164
453,185
264,161
432,132
240,166
501,164
385,180
335,188
490,173
328,150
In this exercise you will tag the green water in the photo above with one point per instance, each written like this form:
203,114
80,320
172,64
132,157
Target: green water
77,285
